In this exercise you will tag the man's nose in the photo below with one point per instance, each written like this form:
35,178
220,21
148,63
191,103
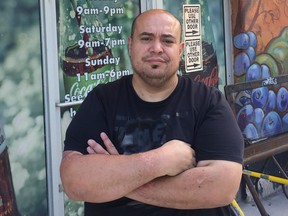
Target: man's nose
156,46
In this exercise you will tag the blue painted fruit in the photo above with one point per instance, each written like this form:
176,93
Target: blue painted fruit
265,71
244,116
250,132
272,124
258,116
282,99
271,103
241,41
285,122
251,53
259,97
254,72
252,39
241,64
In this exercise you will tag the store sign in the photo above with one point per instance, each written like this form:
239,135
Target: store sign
93,45
193,50
193,40
192,20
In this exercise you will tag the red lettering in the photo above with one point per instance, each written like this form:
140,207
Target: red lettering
210,80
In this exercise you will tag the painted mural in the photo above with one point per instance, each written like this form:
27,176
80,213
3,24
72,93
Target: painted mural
260,46
260,39
260,54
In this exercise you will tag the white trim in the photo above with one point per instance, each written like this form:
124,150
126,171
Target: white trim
151,4
52,113
228,41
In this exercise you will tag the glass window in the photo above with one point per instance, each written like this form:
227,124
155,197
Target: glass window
21,107
203,33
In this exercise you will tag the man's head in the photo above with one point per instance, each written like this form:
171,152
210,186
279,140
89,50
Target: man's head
155,47
135,20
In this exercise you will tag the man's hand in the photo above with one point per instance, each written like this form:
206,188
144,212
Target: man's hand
95,147
178,157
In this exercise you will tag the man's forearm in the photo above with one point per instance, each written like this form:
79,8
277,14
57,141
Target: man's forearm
200,187
102,178
104,175
107,176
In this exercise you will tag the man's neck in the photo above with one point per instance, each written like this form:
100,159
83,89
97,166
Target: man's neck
153,94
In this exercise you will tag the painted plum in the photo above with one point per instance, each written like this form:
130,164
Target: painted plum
241,64
285,122
271,103
250,132
282,99
254,72
258,116
245,116
272,124
259,97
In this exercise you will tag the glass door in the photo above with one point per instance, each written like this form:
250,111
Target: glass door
85,44
204,56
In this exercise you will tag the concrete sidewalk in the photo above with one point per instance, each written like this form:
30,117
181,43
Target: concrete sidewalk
276,204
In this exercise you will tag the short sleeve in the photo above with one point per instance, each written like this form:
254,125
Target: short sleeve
88,123
218,136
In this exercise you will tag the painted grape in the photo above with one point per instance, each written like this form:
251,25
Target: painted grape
244,116
285,122
250,131
271,103
272,124
265,71
262,112
258,116
242,41
254,72
273,60
259,97
241,64
282,99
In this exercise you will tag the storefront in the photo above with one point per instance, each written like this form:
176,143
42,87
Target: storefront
57,51
108,25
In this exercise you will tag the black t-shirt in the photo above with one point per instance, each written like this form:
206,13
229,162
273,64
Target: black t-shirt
194,113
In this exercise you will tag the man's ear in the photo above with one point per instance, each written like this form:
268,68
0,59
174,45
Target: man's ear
129,45
181,48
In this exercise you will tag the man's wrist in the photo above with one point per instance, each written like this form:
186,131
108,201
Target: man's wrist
153,161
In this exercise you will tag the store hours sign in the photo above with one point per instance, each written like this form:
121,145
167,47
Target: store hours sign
93,38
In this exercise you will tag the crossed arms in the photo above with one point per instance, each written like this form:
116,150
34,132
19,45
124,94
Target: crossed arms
166,177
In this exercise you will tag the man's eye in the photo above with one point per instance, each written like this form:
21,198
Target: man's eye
145,38
168,41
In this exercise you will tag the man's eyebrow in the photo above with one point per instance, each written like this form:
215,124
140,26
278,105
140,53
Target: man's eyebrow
168,35
146,34
151,34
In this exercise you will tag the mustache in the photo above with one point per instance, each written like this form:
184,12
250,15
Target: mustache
153,56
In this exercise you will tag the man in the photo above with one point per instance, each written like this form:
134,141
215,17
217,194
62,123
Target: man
130,149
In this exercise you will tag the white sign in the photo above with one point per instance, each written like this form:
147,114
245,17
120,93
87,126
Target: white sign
192,19
193,39
193,54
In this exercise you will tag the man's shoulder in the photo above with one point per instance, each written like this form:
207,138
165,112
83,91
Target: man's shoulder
195,86
123,80
200,92
112,87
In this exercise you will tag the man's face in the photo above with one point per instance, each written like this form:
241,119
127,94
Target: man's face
155,47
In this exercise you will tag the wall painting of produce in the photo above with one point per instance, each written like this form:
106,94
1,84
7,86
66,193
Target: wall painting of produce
260,107
260,39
